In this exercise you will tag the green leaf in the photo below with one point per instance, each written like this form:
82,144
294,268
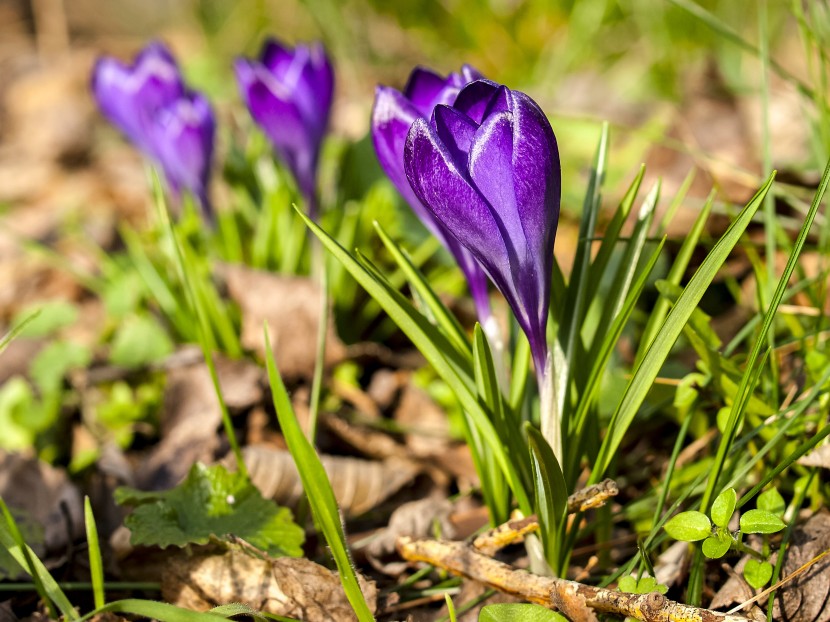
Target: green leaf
723,507
51,316
317,488
156,611
51,364
689,526
627,584
140,340
761,521
96,566
549,485
519,612
717,545
211,502
757,573
771,501
17,402
646,371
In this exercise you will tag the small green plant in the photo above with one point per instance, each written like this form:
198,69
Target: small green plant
718,539
643,585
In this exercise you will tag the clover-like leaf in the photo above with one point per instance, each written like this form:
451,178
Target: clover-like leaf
519,612
211,502
723,507
771,501
716,545
761,521
757,573
689,526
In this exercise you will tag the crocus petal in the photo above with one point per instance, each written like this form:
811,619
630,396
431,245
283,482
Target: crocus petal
183,135
424,89
474,99
445,191
456,130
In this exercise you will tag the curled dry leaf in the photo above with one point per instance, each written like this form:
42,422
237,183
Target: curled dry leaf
819,457
191,417
291,308
287,586
43,496
807,597
359,485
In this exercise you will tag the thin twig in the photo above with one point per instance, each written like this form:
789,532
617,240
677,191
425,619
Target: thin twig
567,596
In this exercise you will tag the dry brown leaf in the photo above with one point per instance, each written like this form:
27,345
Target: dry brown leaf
819,457
428,422
359,485
291,308
735,590
805,599
191,416
287,586
42,494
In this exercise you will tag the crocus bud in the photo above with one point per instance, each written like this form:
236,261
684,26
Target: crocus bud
392,116
173,126
487,168
289,93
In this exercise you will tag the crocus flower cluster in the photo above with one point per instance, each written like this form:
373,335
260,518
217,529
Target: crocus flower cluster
487,168
172,125
289,93
392,116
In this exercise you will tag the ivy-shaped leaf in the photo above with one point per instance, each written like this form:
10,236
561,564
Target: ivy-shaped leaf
211,502
757,573
689,526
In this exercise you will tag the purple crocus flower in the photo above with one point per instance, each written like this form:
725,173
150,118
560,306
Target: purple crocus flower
173,126
392,116
289,93
487,168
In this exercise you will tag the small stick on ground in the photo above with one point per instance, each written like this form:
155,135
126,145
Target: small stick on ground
514,531
462,559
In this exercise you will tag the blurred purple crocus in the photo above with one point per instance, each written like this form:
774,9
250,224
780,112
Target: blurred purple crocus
392,116
289,93
172,125
487,168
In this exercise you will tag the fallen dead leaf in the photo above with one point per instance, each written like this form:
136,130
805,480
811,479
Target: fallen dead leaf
359,485
287,586
291,308
819,457
805,599
42,494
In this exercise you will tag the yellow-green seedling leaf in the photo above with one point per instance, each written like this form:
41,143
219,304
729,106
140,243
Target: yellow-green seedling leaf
757,573
761,521
717,545
519,612
211,502
723,507
627,584
643,585
51,316
51,364
549,485
771,501
689,526
138,341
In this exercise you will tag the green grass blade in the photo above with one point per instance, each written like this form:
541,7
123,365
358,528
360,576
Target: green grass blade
736,414
551,493
12,540
444,319
678,269
96,565
432,344
649,367
317,487
162,612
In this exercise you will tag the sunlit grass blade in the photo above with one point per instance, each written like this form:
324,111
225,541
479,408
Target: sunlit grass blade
96,565
551,494
736,414
645,373
12,540
520,371
317,487
16,330
432,344
162,612
678,269
444,319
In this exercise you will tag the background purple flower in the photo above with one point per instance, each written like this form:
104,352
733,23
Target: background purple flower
149,102
488,169
289,93
392,116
